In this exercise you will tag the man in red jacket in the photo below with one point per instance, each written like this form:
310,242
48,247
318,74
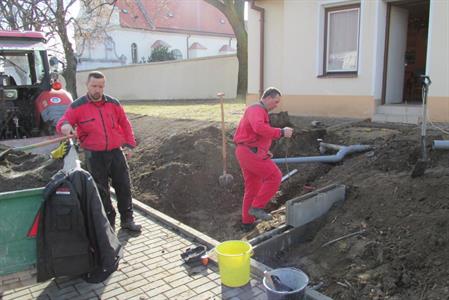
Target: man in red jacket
261,176
105,133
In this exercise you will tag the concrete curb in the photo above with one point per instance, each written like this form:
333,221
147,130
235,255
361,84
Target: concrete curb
257,268
176,225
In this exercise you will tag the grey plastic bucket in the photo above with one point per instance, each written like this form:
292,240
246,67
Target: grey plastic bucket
295,279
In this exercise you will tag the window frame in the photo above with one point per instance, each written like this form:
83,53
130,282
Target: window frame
134,53
327,12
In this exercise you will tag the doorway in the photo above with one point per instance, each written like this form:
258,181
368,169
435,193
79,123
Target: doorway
405,47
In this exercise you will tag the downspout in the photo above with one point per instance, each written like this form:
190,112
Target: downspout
342,152
261,10
187,46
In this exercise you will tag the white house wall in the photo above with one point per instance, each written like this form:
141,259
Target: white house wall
294,53
275,44
303,53
438,47
253,26
438,60
379,51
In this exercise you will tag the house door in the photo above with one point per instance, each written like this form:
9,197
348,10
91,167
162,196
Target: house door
397,43
406,49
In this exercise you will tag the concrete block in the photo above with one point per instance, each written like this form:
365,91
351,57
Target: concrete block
305,209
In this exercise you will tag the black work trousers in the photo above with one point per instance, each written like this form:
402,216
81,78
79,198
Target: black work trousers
105,165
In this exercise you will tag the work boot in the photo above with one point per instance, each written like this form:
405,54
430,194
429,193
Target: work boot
131,226
247,227
259,213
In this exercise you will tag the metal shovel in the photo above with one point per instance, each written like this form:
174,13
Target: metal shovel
421,164
225,179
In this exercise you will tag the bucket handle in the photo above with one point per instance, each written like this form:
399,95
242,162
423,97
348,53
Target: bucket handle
313,287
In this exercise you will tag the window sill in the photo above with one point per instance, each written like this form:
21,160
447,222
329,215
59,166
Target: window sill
338,76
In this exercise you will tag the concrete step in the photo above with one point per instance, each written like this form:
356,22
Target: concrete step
396,118
398,113
399,109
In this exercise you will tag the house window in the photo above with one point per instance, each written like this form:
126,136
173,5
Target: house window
134,53
341,39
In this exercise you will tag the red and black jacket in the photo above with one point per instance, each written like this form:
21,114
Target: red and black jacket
100,126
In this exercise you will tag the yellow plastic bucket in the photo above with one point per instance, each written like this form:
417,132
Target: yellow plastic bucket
234,262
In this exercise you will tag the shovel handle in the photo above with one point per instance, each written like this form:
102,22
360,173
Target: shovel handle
223,136
44,143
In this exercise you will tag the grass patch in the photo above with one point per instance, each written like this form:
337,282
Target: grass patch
204,111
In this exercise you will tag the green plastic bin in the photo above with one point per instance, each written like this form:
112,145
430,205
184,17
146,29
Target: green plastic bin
17,212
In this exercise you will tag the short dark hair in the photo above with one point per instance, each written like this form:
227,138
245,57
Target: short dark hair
95,74
271,92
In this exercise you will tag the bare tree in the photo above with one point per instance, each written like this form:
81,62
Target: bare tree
20,15
234,12
59,22
92,23
54,18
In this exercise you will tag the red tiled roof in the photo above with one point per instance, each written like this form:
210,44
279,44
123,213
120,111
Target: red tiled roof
226,48
174,15
197,45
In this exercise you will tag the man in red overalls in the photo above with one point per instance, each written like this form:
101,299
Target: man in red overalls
253,138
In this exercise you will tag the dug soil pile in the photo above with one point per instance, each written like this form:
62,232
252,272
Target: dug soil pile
20,170
402,253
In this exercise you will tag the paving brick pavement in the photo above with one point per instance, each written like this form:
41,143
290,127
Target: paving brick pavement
151,269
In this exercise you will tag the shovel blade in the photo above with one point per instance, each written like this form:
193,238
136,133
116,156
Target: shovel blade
420,168
226,180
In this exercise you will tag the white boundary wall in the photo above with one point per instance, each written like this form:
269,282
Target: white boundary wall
192,79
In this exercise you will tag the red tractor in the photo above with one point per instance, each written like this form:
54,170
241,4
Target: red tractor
31,98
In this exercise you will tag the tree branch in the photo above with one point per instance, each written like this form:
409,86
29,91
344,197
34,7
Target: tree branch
217,4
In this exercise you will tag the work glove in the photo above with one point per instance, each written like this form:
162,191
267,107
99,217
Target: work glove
287,132
62,150
67,129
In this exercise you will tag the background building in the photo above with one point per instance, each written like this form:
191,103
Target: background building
188,28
